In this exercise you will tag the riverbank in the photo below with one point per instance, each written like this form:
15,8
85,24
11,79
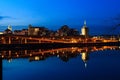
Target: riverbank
54,45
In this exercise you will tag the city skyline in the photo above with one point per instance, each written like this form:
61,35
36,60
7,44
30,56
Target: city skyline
101,16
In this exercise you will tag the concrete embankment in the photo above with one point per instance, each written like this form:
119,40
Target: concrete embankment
54,45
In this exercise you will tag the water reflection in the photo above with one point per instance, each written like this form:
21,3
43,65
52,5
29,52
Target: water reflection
63,53
102,63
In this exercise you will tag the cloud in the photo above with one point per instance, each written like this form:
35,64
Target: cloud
4,17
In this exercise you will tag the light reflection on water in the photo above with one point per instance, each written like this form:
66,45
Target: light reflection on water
86,63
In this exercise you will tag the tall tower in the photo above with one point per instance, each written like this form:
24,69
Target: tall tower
85,30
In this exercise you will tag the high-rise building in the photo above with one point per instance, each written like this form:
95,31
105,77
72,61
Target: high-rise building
85,30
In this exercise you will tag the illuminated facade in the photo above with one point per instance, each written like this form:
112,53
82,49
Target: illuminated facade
33,31
10,27
85,30
21,32
8,30
38,31
1,33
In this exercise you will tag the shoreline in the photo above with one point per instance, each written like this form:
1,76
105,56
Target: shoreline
54,45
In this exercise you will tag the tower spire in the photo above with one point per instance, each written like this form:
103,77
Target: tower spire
84,22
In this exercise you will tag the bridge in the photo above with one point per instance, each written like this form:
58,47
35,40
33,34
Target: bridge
17,39
10,39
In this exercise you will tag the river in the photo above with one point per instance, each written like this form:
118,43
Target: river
73,63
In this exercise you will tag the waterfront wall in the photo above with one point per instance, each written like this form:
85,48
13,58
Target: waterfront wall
54,45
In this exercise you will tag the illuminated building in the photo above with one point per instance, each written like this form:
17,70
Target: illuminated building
37,31
21,32
85,30
33,31
1,33
8,30
10,27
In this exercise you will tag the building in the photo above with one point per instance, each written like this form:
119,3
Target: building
73,32
67,31
1,32
85,30
33,31
8,30
10,27
21,32
38,31
63,31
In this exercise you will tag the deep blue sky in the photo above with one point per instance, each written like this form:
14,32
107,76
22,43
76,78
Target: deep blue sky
101,15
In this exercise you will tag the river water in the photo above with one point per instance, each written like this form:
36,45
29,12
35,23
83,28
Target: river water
83,63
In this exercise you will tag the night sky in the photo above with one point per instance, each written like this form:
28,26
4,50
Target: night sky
102,16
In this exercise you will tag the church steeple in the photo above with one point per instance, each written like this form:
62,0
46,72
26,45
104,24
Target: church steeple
84,23
85,30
